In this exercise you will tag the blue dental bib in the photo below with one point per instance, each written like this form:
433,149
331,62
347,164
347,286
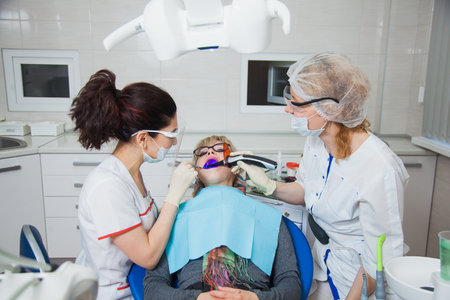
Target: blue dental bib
223,215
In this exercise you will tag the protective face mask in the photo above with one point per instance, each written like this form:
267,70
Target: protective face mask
161,154
300,125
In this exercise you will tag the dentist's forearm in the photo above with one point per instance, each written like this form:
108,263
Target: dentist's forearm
290,192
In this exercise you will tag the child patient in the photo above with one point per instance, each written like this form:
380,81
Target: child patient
224,244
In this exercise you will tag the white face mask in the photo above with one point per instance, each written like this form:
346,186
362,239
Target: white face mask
300,125
161,154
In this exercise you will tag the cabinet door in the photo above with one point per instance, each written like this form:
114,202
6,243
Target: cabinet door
61,207
63,237
21,199
418,196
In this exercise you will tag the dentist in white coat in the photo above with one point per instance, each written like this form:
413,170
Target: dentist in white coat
351,183
119,221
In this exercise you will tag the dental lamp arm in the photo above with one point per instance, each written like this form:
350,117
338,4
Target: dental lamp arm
278,9
124,32
9,262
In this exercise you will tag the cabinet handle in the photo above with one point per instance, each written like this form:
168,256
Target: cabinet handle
78,185
86,163
12,168
76,206
413,165
78,227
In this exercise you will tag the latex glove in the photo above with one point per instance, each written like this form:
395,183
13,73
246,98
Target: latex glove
258,178
182,178
236,169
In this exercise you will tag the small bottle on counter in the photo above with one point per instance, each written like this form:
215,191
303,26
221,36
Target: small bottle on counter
291,171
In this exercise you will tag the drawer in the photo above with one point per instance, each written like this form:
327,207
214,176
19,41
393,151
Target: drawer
157,185
162,168
62,185
70,164
61,207
295,215
63,237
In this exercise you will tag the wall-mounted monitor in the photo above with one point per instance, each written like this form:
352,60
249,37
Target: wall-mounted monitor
40,80
263,78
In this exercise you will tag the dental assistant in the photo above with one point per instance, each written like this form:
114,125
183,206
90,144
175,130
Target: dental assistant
118,219
351,183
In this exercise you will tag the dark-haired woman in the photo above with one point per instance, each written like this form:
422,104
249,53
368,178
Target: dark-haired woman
118,219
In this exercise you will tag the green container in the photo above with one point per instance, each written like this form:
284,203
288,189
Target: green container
444,248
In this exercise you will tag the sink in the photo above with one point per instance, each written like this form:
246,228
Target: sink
7,143
410,276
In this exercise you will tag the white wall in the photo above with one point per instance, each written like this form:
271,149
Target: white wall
387,39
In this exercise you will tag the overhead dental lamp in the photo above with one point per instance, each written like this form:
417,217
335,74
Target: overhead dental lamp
176,27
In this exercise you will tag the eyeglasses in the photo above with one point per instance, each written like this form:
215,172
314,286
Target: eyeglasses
170,135
288,99
219,147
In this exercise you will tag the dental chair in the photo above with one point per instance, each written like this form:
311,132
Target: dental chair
30,276
32,246
302,251
304,256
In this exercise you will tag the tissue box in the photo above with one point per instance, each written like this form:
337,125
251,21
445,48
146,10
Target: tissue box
14,128
47,128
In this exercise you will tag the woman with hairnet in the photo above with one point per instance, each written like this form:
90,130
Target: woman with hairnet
350,182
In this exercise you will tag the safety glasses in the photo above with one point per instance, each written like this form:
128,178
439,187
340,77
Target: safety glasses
170,135
288,99
219,147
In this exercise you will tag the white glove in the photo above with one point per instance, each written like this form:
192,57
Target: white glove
182,178
258,178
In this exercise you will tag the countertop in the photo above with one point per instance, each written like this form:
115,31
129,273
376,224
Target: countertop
260,143
34,144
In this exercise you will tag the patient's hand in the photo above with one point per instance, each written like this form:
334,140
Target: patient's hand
205,296
231,293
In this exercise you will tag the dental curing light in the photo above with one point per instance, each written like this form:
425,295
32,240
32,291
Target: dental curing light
231,161
176,27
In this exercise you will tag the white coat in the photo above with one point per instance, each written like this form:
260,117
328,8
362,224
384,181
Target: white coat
354,200
111,203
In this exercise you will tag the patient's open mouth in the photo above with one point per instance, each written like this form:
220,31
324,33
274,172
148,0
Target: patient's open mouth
209,163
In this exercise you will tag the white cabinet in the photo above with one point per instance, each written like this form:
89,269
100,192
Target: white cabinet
21,199
63,176
418,197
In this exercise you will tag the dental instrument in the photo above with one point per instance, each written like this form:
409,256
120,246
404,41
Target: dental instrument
380,293
175,27
364,291
177,162
231,161
181,129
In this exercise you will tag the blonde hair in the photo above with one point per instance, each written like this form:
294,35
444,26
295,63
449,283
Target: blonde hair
205,142
342,138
